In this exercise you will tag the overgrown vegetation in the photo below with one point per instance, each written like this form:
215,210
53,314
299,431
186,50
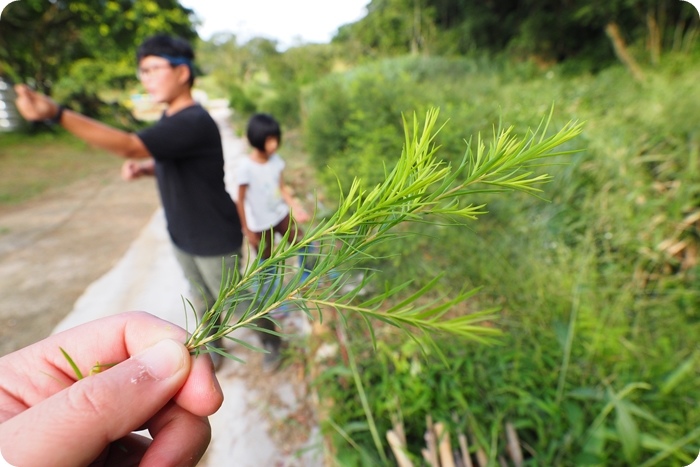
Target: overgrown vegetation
598,287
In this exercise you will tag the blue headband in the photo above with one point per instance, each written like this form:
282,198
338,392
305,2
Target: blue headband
175,61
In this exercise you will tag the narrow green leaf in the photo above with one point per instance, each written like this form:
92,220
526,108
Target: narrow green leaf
628,432
76,370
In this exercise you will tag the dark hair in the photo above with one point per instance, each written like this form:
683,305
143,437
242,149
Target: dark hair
260,127
174,49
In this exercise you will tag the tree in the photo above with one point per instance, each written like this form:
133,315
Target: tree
391,27
87,45
596,31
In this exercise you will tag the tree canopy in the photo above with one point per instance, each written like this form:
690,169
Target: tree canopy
86,44
552,30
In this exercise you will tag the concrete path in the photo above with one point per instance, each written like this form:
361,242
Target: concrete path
266,419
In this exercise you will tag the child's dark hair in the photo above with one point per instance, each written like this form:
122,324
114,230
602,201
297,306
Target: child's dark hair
174,49
260,127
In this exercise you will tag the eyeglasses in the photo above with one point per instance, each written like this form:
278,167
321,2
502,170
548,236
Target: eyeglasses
142,73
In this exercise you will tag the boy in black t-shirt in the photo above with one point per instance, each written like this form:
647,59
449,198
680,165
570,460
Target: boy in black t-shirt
183,151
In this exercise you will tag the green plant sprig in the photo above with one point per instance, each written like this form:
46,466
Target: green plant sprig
96,368
420,187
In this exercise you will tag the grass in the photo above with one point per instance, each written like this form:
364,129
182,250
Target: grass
598,287
31,166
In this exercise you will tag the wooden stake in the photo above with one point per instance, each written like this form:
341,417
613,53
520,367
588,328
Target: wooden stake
399,449
464,447
399,430
513,445
481,457
431,445
622,51
443,439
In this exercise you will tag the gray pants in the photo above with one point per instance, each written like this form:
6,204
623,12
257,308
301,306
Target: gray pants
204,275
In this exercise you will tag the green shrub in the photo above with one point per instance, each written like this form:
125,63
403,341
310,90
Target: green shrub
598,285
239,101
283,104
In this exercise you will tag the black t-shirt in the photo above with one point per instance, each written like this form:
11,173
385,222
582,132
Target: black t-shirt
189,166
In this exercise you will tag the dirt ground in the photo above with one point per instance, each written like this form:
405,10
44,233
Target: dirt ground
53,247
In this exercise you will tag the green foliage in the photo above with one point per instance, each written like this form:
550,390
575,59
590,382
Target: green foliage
391,27
553,31
598,287
351,125
240,101
255,76
83,44
284,104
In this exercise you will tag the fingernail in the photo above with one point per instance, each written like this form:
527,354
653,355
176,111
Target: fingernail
162,360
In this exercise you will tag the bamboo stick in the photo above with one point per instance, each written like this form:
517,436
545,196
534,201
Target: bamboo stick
481,457
399,449
400,432
513,445
464,447
430,453
445,449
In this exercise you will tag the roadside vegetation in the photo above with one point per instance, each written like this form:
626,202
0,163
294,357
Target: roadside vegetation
594,282
597,284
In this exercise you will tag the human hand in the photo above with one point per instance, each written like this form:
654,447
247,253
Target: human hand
155,385
252,237
299,214
34,106
131,170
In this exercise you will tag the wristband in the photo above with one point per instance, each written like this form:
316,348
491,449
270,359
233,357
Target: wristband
56,119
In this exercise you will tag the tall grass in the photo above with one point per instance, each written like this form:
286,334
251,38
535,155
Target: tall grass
598,287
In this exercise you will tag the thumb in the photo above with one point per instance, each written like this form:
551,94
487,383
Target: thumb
76,424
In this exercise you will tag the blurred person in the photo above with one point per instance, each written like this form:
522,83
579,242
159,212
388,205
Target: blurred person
265,204
183,150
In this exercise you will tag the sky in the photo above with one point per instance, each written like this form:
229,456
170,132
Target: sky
289,22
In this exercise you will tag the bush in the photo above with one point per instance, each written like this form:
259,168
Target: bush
597,287
239,101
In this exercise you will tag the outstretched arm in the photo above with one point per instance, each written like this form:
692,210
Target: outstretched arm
35,107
